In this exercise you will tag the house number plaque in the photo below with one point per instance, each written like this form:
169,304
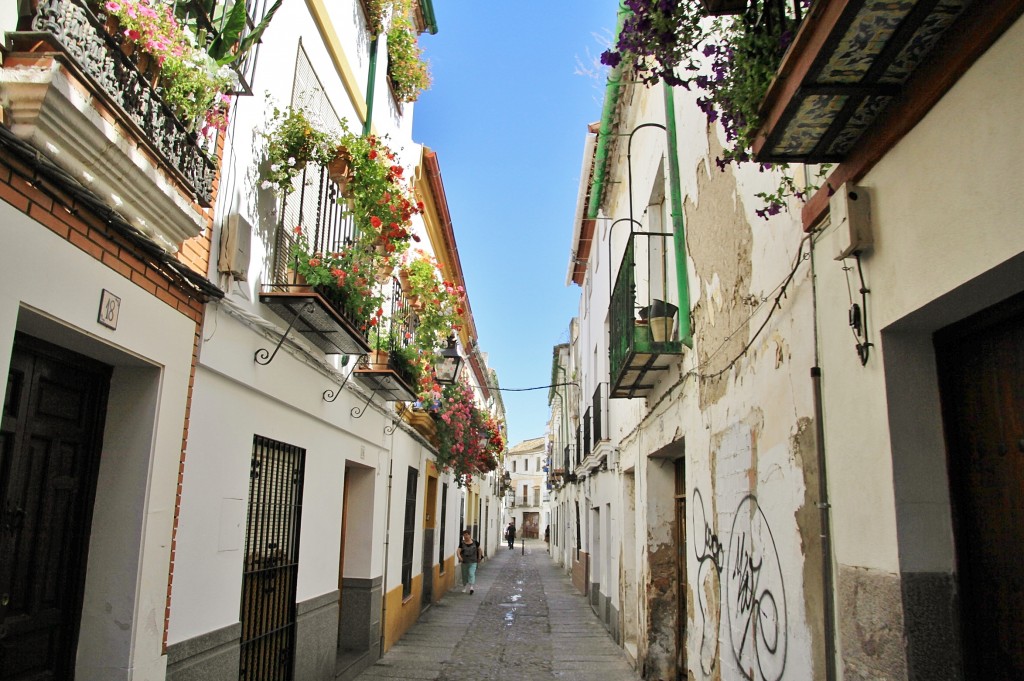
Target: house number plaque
110,307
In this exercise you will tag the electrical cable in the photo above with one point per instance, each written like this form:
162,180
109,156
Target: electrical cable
776,305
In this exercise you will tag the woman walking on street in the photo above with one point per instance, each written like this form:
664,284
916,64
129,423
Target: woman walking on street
469,555
510,534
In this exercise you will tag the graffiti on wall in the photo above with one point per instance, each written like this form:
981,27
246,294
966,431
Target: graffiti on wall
741,575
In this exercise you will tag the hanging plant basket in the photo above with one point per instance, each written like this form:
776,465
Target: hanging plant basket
339,169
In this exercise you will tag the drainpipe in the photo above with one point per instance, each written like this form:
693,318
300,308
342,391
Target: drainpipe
611,99
371,81
387,549
678,223
824,507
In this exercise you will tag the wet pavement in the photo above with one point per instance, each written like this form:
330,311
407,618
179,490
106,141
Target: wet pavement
525,622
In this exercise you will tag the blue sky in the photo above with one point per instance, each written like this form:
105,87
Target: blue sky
507,115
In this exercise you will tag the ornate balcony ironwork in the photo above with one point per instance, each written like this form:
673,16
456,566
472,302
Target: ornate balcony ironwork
78,37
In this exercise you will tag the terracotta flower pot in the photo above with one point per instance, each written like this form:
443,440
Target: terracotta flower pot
340,170
383,273
297,283
377,360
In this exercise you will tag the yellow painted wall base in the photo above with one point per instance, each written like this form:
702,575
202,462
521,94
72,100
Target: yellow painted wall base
445,581
400,614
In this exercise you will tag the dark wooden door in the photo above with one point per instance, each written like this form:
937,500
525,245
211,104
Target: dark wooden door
981,369
681,615
50,437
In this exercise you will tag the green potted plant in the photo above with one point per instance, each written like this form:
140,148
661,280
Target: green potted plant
193,72
439,303
342,278
469,440
292,141
408,72
379,197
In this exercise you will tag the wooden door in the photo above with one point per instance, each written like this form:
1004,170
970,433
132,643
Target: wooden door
981,369
50,435
681,579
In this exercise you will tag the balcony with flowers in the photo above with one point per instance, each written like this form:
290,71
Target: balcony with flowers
132,88
346,215
820,82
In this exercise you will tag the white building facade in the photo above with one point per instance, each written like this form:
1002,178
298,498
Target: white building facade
232,500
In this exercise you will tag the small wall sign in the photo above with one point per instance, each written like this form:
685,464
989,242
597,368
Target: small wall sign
110,306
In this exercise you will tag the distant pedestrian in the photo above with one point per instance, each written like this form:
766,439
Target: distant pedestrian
469,556
510,534
547,534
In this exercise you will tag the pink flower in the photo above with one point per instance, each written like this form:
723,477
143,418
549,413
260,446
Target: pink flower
112,6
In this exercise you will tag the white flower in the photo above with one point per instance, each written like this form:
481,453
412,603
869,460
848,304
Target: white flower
291,160
275,167
267,184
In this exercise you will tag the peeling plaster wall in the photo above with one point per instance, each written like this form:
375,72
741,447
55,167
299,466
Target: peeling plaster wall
753,591
753,548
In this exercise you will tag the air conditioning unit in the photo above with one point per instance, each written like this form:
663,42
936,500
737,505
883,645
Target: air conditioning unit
850,214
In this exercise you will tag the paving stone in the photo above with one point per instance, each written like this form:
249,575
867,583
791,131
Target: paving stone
526,622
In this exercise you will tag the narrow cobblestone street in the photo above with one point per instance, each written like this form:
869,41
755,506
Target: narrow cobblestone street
524,622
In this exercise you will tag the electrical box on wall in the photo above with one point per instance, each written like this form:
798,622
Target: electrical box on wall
850,214
236,236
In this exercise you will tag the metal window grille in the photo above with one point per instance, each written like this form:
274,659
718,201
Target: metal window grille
578,448
586,434
579,539
598,408
271,561
410,531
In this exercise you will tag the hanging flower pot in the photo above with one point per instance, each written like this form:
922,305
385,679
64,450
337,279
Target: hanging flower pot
383,272
339,169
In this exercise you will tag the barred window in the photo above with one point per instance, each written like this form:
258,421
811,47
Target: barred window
410,531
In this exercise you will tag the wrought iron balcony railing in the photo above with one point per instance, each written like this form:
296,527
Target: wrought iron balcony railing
642,328
329,228
389,371
76,32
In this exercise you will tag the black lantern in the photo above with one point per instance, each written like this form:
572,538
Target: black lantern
447,370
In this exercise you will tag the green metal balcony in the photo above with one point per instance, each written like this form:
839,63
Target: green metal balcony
643,341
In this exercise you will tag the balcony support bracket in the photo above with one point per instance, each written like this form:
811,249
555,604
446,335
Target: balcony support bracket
262,356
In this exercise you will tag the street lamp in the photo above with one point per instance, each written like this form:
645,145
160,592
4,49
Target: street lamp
447,370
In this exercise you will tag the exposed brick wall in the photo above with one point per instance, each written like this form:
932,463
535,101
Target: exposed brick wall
54,209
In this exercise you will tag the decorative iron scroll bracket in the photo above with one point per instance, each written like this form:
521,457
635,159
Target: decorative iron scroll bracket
262,357
357,412
388,430
331,395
